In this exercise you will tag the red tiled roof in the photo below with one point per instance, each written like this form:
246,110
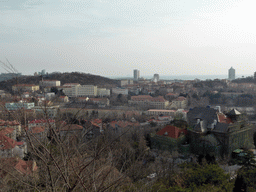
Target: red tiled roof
68,127
181,98
6,142
6,130
96,122
37,129
8,123
158,99
172,94
172,131
23,167
224,119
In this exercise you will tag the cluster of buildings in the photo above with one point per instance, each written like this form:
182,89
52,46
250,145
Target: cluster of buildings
163,104
206,131
10,146
6,76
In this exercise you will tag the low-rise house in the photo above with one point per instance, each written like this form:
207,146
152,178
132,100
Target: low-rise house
11,124
14,166
9,132
37,134
94,130
169,138
171,96
69,132
41,123
121,126
63,99
11,148
25,95
161,120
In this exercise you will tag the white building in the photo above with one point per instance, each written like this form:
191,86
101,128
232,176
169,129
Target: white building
19,105
103,92
85,90
77,90
119,91
49,83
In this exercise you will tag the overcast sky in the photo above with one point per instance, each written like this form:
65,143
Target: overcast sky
113,37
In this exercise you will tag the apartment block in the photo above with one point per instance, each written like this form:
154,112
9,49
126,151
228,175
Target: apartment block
118,91
25,87
148,101
77,90
49,83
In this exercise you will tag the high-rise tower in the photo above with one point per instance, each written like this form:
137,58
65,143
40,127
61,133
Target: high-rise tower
136,74
231,73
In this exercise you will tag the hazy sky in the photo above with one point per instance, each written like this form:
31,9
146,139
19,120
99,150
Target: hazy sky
113,37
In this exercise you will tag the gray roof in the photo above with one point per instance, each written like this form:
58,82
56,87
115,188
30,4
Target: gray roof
234,112
206,114
221,127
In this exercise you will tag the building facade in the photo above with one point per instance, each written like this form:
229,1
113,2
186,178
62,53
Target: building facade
19,105
25,87
148,101
77,90
124,82
50,83
118,91
179,103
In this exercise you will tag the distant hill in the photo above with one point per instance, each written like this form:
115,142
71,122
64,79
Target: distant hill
74,77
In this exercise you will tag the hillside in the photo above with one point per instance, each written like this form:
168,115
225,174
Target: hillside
74,77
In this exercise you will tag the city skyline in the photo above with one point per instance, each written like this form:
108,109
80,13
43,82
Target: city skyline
111,38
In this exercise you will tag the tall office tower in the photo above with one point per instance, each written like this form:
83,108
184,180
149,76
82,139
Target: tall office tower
231,73
156,77
136,74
